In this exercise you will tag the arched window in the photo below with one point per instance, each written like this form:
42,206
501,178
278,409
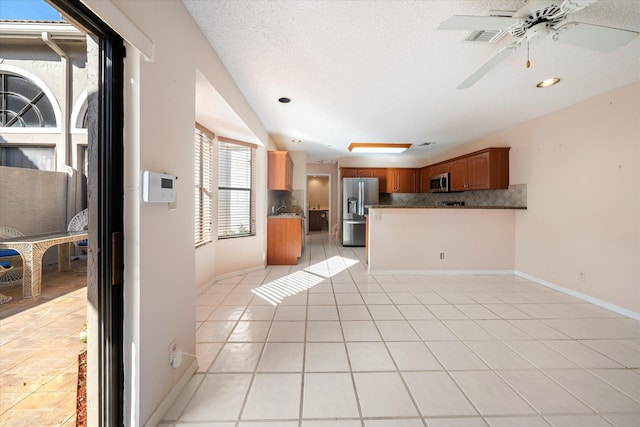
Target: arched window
23,104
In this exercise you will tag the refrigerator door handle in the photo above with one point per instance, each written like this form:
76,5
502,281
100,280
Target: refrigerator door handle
361,198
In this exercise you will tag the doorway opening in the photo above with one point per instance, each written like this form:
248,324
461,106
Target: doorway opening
319,202
63,143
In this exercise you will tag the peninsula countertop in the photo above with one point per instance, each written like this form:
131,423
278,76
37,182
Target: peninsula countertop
442,207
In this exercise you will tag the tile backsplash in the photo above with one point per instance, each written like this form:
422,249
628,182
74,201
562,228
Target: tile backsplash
293,201
515,196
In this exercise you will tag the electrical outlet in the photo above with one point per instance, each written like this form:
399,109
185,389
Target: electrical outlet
175,355
441,255
176,358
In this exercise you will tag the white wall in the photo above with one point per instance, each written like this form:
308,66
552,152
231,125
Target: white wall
582,170
318,195
411,240
160,258
299,170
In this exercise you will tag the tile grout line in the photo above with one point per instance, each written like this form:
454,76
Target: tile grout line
437,290
346,352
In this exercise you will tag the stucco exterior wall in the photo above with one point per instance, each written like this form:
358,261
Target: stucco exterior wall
33,201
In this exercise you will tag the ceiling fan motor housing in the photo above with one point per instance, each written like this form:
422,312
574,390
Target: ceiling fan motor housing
539,21
538,31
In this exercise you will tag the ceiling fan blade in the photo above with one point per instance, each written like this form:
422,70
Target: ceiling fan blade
472,23
594,37
571,6
488,66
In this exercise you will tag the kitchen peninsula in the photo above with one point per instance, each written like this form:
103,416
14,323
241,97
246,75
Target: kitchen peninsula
432,240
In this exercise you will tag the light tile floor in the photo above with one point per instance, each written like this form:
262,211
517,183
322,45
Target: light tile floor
345,349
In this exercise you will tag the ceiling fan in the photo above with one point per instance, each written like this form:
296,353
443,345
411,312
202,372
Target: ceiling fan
538,19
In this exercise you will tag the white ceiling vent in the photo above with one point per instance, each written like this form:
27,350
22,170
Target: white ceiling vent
482,36
490,36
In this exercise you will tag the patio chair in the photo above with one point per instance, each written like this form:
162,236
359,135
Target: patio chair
5,267
13,277
80,222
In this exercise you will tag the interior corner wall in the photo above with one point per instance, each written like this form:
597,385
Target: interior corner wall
299,170
160,280
581,229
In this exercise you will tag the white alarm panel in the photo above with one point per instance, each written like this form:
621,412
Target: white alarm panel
158,187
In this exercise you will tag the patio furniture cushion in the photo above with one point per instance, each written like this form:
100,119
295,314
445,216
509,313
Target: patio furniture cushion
14,275
8,252
5,264
83,243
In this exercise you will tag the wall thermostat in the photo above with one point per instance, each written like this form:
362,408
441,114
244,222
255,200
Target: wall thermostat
158,187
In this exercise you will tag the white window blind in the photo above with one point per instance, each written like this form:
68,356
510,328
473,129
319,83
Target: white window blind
203,169
236,188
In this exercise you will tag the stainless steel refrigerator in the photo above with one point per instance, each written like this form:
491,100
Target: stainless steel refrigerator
356,194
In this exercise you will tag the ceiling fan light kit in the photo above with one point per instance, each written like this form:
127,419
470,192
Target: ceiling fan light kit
536,20
377,148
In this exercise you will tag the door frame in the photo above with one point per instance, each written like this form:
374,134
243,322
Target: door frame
106,171
306,205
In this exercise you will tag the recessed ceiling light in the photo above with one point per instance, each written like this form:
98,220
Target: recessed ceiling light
548,82
377,148
295,141
284,100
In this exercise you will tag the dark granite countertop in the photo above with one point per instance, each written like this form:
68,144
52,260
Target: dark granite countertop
442,207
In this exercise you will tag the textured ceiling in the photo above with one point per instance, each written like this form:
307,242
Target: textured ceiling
381,71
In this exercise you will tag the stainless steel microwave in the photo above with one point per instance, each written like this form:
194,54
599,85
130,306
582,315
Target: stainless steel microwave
439,183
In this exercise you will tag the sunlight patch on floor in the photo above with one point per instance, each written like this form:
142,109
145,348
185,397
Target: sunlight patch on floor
291,284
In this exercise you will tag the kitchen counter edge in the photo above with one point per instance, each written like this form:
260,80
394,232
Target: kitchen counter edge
443,207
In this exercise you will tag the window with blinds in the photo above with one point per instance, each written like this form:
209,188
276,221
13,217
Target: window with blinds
236,189
203,169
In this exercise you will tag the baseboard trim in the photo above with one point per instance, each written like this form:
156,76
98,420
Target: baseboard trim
600,303
441,272
202,289
172,396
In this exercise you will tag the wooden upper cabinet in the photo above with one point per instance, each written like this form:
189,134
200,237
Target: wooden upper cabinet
458,175
483,170
440,168
401,180
380,173
280,174
423,179
348,173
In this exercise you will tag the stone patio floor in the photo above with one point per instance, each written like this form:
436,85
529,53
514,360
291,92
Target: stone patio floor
39,347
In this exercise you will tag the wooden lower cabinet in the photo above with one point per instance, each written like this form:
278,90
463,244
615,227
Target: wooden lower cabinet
318,220
284,240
